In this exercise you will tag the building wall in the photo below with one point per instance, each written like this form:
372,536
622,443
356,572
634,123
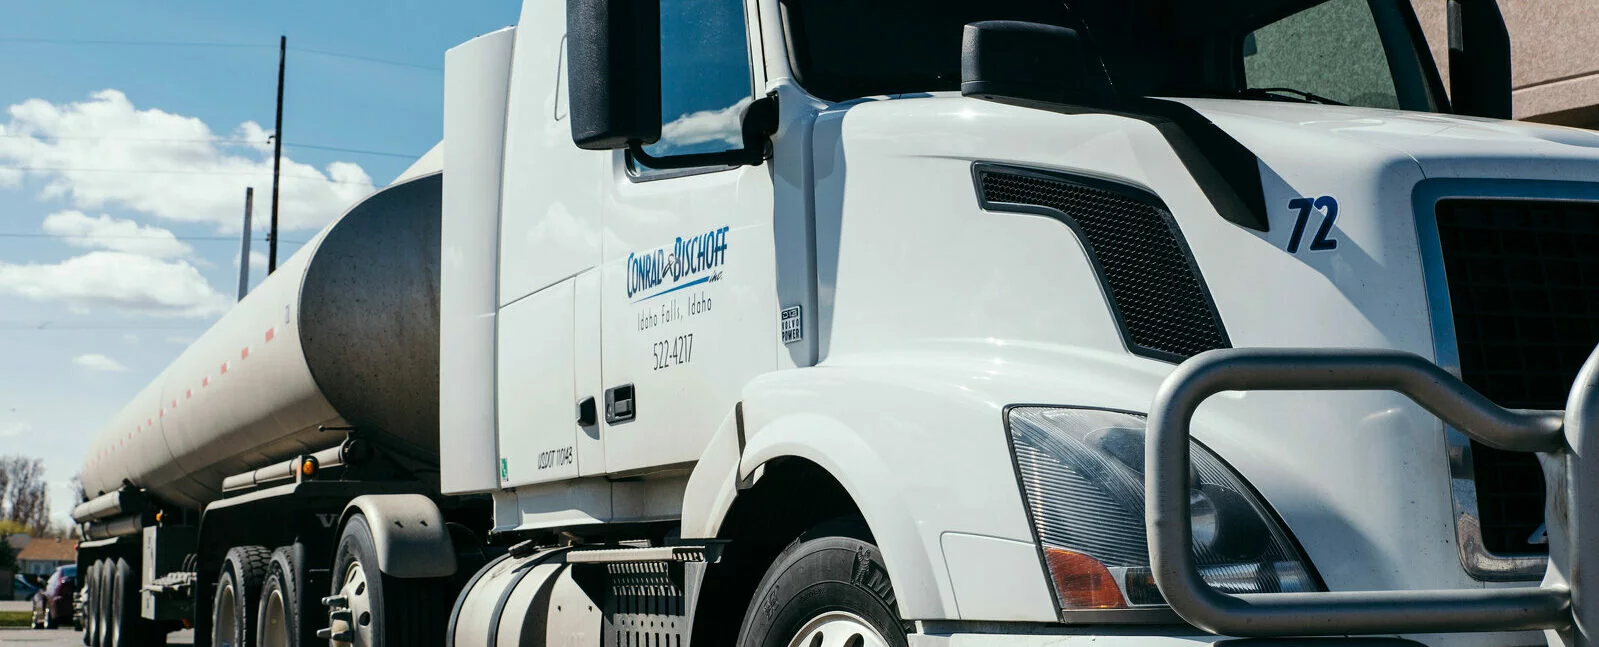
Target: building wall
1554,56
40,566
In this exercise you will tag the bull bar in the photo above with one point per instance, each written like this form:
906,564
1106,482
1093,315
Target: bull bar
1563,440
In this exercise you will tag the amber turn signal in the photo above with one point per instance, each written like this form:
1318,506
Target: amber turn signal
1082,582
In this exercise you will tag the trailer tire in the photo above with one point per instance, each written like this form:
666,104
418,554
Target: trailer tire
128,627
828,589
238,595
102,605
389,610
90,581
281,619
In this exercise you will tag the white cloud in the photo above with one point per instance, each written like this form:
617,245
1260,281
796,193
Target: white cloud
115,234
119,280
725,126
105,151
14,429
258,263
130,338
100,363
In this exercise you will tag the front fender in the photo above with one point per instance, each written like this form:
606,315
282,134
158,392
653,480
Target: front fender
925,458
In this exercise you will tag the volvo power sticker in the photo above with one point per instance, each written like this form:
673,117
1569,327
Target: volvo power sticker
792,325
687,262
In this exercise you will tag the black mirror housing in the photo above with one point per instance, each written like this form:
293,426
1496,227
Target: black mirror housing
613,53
1479,60
1021,62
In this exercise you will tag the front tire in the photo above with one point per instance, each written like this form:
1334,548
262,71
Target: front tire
238,595
827,589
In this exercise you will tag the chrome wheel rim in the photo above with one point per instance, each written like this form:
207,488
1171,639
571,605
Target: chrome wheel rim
838,629
275,621
358,601
225,626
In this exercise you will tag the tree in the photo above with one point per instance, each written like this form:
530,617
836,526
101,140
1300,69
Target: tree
24,495
8,556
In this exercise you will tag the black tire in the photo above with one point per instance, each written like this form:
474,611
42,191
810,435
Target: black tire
396,611
128,628
102,605
86,614
281,588
828,570
237,596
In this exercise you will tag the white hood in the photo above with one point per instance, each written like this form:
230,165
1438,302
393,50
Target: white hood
1443,145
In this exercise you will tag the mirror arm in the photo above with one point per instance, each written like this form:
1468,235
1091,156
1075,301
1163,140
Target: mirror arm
759,124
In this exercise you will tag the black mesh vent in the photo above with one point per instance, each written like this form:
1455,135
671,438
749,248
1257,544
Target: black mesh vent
1524,288
1164,308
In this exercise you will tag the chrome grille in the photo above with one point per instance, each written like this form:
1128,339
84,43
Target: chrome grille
1523,279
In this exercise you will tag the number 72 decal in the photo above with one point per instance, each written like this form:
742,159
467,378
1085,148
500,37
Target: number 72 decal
1328,206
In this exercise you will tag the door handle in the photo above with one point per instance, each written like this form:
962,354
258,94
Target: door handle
619,404
586,416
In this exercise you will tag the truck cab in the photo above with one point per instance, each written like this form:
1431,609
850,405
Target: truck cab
912,273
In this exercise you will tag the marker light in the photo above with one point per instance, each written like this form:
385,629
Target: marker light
1082,476
308,467
1081,581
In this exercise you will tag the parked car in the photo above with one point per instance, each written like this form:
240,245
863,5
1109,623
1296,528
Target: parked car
22,588
53,605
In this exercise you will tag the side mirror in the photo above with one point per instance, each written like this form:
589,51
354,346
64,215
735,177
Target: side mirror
613,52
1479,59
1023,62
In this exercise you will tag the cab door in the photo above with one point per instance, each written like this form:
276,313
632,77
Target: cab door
688,300
546,348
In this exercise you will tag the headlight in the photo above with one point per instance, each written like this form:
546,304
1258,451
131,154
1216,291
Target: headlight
1082,475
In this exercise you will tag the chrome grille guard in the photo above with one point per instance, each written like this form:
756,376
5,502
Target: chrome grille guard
1562,439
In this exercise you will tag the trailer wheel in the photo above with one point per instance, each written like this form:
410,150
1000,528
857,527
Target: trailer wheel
102,605
370,609
238,595
91,575
824,591
127,627
281,618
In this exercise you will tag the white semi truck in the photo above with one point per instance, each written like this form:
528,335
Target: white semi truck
819,323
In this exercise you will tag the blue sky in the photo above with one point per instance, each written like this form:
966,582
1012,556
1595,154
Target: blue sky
106,274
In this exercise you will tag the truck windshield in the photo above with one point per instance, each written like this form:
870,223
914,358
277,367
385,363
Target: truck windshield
1358,52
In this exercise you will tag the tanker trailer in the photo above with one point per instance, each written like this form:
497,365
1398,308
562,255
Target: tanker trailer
295,442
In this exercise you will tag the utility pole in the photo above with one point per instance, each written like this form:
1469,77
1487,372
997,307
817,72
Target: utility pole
277,160
244,248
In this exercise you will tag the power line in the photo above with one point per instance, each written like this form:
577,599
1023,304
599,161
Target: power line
357,151
25,40
137,43
217,140
134,237
72,169
368,59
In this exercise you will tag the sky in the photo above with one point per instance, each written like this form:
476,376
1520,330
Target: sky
128,133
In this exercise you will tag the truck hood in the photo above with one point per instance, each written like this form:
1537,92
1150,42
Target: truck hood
1443,145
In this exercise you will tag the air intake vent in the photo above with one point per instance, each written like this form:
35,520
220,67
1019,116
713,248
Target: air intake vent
1148,274
1524,290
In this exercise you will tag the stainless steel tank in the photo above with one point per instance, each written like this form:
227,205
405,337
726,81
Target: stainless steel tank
344,333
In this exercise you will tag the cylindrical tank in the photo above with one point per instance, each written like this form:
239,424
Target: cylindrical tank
343,333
